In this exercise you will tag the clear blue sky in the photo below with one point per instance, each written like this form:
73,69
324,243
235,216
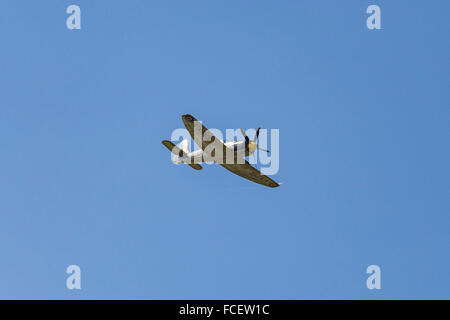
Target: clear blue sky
364,149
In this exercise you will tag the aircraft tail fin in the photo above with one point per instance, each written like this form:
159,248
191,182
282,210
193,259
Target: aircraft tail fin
184,145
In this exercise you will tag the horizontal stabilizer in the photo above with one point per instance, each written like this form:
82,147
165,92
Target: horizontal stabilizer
179,153
173,148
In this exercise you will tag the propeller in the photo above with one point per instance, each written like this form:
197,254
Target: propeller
247,140
257,134
253,143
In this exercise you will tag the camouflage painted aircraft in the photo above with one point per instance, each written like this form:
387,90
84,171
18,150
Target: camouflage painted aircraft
229,155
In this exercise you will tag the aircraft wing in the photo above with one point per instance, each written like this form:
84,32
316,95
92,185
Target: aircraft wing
203,138
245,170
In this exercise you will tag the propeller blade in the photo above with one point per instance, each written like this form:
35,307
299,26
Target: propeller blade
247,139
257,134
264,150
243,133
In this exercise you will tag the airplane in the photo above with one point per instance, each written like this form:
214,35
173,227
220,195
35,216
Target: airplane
237,149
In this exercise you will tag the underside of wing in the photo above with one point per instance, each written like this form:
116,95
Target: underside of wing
204,138
247,171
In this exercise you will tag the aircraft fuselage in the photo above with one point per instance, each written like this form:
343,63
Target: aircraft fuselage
198,156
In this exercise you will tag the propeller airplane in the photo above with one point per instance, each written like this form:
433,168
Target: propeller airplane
209,144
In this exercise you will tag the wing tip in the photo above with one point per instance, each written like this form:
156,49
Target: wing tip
188,117
278,184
